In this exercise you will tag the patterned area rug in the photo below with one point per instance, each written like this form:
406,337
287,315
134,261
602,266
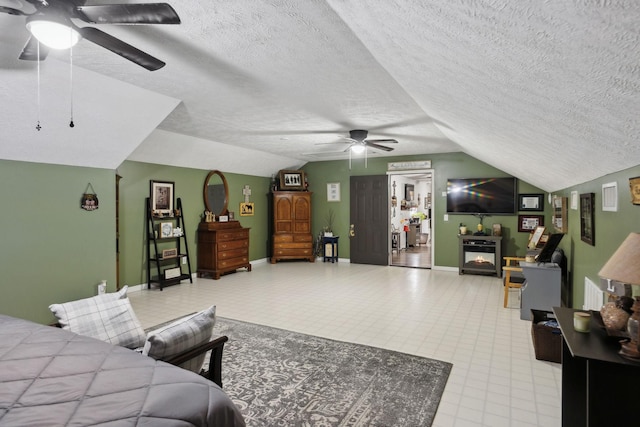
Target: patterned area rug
283,378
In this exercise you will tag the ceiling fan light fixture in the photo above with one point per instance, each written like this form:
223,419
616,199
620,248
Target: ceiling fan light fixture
358,148
52,32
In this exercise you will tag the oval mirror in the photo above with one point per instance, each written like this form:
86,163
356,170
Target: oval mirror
216,193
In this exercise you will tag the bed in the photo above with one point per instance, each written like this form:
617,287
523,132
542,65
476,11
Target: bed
53,377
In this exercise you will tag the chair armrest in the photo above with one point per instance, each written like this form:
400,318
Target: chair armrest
215,361
511,268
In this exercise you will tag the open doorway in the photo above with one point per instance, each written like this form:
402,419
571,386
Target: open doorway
410,218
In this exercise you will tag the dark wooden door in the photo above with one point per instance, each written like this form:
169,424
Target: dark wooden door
369,220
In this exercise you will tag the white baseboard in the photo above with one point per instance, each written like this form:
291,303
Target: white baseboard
444,268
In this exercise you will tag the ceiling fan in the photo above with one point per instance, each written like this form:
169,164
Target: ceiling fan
60,13
358,142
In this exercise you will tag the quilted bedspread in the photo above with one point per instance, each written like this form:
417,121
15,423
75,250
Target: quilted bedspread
53,377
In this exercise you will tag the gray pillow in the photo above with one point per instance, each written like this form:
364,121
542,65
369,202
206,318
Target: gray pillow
182,335
107,317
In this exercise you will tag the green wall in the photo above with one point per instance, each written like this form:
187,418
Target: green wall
53,251
134,188
611,228
444,166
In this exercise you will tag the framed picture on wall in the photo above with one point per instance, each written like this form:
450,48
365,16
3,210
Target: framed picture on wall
246,209
409,192
333,192
531,202
587,220
528,223
634,187
161,195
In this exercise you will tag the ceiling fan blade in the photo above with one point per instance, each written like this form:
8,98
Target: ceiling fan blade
379,147
30,50
146,13
12,11
121,48
385,141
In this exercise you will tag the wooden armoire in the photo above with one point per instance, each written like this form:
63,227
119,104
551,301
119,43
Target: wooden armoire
292,238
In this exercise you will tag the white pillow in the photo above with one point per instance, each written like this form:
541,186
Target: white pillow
182,335
107,317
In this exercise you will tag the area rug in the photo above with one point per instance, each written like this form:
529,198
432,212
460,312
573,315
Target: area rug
283,378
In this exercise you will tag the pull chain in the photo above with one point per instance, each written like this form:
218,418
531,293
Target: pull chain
38,127
71,81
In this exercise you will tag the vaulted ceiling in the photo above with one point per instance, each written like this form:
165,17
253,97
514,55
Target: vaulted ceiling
548,91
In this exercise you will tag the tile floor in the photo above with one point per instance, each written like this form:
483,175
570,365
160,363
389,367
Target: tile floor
496,380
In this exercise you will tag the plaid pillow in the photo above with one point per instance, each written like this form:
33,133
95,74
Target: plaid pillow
108,317
181,335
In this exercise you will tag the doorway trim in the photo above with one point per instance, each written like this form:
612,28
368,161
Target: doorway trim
395,173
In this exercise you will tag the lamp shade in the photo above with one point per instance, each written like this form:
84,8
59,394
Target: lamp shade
52,32
624,264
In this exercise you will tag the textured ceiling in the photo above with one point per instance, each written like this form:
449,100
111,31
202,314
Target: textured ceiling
545,90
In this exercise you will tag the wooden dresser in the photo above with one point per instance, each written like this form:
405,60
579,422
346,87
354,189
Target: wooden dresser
292,238
223,247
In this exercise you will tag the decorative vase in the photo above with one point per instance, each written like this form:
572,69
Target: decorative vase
634,321
630,349
463,230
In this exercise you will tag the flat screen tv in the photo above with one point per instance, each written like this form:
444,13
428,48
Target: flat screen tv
490,196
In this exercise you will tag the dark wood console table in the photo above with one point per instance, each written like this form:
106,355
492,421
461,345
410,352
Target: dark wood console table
599,387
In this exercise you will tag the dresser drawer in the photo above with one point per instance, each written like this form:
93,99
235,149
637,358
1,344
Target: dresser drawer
292,245
278,238
233,262
232,253
232,244
297,252
233,235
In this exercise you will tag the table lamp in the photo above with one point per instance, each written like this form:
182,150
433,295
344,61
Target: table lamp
624,267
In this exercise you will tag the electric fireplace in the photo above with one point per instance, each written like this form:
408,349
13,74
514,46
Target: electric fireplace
480,255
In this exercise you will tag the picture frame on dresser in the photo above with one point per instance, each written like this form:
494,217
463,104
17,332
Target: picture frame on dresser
291,180
161,194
